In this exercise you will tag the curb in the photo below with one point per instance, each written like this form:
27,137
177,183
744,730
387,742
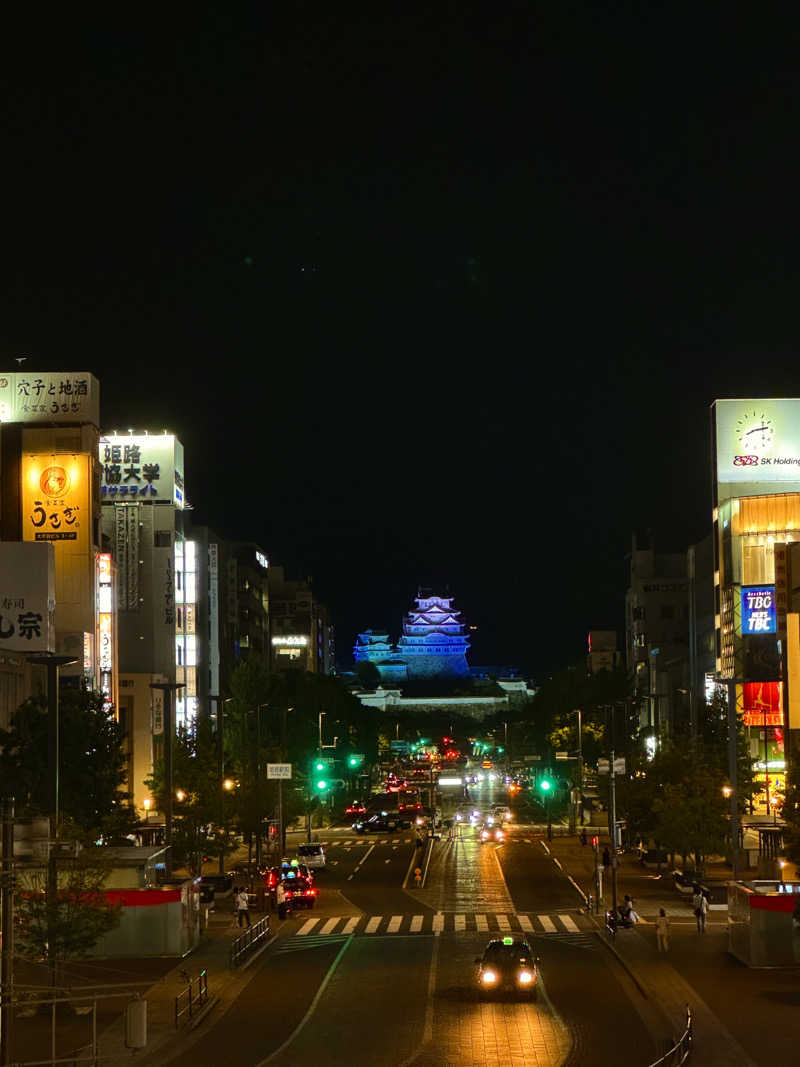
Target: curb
625,966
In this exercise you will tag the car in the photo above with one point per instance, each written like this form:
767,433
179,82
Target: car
219,883
508,965
286,872
300,893
298,884
355,807
385,822
312,854
492,833
501,813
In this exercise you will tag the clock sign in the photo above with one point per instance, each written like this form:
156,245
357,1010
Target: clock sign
755,432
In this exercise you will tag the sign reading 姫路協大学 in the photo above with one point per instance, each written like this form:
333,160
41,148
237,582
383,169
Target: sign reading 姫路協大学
758,609
27,596
757,447
50,396
141,467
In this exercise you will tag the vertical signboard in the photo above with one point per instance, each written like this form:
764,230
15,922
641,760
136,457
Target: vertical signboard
105,627
213,617
758,609
55,501
27,597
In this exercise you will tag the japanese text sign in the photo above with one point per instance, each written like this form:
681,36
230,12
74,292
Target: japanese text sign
55,499
50,396
758,609
27,601
141,467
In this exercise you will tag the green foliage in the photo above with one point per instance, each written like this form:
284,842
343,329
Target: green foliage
69,926
791,811
92,761
367,675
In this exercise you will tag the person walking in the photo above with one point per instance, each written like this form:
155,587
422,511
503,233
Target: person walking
583,836
242,907
700,903
662,931
606,858
280,896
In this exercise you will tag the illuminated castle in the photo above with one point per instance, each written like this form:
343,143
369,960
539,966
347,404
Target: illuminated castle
434,643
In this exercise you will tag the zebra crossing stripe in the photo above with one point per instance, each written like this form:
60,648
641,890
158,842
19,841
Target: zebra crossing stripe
525,923
416,924
481,925
330,926
460,922
569,924
351,924
502,922
438,923
373,924
394,924
307,927
547,923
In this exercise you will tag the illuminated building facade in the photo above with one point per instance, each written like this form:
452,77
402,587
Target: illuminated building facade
756,483
301,633
433,644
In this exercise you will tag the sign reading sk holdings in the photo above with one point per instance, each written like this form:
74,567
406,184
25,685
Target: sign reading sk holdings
758,609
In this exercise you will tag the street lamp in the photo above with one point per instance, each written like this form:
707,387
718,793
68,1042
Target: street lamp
727,791
228,784
781,864
147,804
180,796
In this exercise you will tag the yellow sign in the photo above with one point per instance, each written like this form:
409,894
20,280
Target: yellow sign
55,499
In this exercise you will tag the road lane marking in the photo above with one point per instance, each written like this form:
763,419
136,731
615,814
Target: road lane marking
330,926
373,924
351,924
416,924
569,924
481,925
525,923
349,878
547,923
307,927
502,922
544,846
438,923
363,860
387,861
312,1007
427,1033
396,841
394,924
557,864
460,922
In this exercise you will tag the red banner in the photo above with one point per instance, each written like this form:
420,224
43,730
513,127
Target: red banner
763,704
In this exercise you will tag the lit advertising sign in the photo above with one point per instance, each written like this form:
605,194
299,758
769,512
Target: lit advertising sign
57,396
27,598
55,500
141,467
758,447
758,609
105,626
262,560
295,641
762,704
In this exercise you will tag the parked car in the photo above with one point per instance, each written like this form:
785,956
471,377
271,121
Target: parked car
312,854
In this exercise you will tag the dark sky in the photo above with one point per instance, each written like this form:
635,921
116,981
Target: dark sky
434,298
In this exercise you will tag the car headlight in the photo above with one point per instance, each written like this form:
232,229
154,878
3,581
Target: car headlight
488,977
484,836
525,977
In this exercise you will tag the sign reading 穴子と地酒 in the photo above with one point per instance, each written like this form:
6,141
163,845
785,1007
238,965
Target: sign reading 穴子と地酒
758,609
27,597
50,396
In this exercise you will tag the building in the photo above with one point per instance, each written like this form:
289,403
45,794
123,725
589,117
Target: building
602,652
433,643
301,633
49,492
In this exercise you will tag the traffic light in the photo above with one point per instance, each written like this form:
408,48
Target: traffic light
545,785
319,766
355,760
320,785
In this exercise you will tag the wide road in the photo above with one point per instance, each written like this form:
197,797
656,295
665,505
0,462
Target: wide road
385,975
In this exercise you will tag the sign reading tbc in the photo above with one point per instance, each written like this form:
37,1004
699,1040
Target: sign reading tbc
758,609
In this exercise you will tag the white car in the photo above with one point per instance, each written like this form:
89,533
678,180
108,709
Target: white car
313,855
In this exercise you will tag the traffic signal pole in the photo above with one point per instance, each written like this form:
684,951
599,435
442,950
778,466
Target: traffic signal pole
612,819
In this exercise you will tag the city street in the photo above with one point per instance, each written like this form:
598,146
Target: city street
378,974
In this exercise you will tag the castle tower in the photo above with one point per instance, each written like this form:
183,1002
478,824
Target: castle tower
434,641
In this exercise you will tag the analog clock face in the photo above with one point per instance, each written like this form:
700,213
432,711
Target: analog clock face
754,432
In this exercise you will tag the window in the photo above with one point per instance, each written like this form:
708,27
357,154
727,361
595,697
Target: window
638,613
162,538
667,611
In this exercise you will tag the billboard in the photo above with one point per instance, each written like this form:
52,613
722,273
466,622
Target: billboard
27,597
757,447
762,703
758,609
50,396
56,501
141,467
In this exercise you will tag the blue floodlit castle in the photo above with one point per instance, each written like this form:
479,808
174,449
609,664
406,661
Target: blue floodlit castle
433,645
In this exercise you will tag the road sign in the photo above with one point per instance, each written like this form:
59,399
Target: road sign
562,755
619,765
530,759
279,770
603,766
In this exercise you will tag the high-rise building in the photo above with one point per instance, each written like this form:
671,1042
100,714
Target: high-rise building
301,633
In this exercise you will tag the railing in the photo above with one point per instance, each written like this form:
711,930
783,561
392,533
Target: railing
681,1050
192,998
247,940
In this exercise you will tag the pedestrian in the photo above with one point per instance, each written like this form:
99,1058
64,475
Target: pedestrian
243,907
606,857
700,903
280,896
662,931
583,836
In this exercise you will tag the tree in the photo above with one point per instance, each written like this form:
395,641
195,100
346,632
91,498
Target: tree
69,926
367,675
91,765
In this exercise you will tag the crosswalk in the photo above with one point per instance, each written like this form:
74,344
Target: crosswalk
369,839
439,923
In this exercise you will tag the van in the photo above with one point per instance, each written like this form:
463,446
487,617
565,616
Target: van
313,855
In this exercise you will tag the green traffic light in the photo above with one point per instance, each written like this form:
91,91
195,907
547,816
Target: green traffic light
322,785
353,761
319,766
545,785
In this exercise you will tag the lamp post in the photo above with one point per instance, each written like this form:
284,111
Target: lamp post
259,815
168,689
322,714
579,713
147,804
220,728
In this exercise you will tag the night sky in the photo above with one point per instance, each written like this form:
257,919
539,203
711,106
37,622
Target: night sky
431,298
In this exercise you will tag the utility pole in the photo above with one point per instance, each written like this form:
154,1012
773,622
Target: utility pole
580,763
612,819
733,775
7,956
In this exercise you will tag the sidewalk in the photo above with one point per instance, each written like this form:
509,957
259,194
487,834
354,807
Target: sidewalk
658,980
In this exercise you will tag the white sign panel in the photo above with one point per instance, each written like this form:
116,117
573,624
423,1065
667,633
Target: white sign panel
27,596
758,447
141,467
50,396
279,770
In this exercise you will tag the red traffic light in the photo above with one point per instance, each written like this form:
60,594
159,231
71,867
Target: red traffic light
595,842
